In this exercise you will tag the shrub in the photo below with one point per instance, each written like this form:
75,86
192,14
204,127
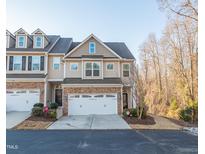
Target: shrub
133,112
38,105
186,114
130,112
52,114
53,106
37,111
126,112
190,113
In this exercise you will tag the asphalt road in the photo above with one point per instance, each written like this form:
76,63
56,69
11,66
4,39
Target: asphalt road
100,142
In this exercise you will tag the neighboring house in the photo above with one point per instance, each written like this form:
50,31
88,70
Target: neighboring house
88,77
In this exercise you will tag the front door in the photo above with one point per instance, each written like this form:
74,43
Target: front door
58,96
125,101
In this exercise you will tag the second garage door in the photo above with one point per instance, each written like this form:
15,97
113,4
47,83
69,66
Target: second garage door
84,104
21,100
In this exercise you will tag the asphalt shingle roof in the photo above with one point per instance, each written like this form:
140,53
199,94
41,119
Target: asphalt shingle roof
25,75
119,48
52,40
62,46
65,45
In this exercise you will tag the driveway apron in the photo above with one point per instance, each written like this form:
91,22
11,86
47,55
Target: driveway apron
90,122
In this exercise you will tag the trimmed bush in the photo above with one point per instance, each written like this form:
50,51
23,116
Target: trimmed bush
38,105
52,114
53,105
37,111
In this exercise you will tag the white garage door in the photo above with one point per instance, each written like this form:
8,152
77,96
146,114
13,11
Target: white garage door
21,100
84,104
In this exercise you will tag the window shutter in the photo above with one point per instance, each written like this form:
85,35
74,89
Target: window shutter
11,58
42,63
23,63
29,62
6,61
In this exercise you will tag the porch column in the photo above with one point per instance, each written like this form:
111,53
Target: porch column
122,99
45,93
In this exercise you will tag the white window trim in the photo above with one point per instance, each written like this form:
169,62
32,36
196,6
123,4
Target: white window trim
56,63
112,68
15,63
71,67
25,41
35,41
34,63
92,76
123,70
94,48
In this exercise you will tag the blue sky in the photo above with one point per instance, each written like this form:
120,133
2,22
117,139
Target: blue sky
129,21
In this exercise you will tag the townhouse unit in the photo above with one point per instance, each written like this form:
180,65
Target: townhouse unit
88,77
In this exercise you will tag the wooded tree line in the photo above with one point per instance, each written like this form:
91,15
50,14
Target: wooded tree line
167,75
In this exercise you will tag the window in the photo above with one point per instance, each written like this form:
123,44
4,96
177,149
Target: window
92,69
38,41
88,69
92,47
126,70
35,63
110,96
17,63
21,92
9,92
109,67
86,96
96,69
99,96
75,96
73,66
56,63
21,41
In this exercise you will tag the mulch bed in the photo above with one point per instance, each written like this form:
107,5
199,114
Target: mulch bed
35,123
133,120
33,118
182,123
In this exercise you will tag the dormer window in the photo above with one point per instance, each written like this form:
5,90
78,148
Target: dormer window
38,42
21,41
91,47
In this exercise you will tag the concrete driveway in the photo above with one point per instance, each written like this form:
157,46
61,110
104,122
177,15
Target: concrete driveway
14,118
90,122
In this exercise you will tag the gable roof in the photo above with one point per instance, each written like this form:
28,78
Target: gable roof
62,46
90,36
41,32
119,47
52,41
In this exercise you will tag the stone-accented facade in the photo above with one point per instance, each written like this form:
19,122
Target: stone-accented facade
80,90
27,85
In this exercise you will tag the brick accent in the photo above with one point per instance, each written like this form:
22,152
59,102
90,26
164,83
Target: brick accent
67,90
27,85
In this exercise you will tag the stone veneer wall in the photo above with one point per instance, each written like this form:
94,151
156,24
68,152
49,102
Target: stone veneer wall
67,90
27,85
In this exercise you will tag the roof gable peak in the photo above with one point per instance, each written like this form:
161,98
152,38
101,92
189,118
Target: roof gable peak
97,39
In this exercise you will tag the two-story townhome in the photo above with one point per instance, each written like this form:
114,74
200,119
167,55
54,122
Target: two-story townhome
88,77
